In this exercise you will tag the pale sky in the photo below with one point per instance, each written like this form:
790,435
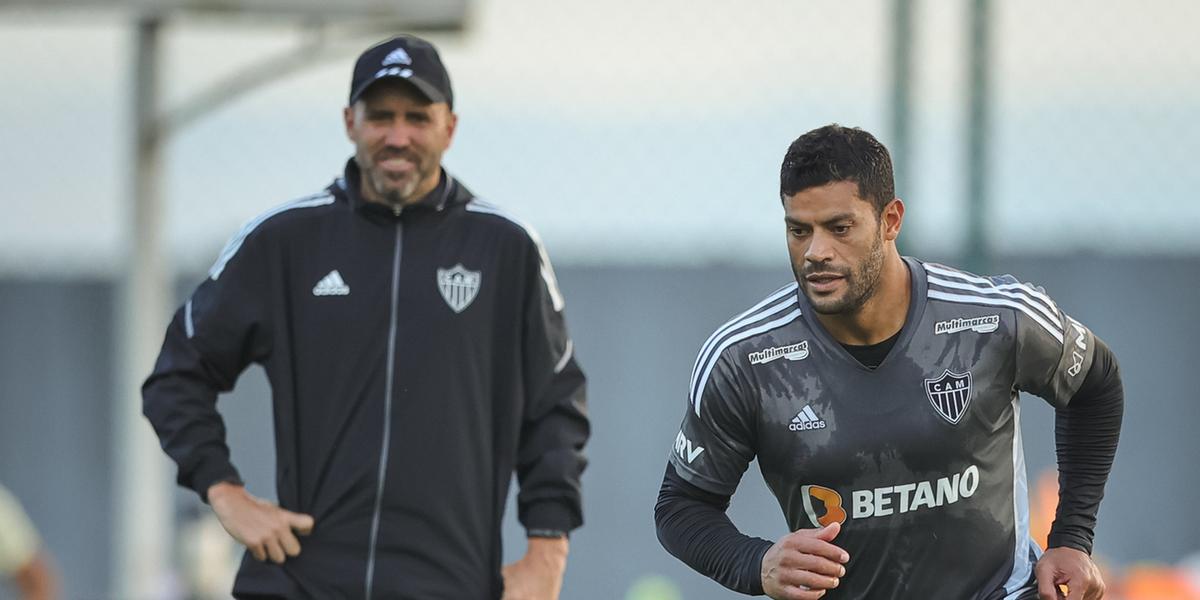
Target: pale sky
630,131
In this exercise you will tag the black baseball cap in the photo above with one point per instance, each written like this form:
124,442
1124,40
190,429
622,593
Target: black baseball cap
405,57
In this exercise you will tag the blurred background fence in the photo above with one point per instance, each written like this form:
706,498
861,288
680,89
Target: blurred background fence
1055,141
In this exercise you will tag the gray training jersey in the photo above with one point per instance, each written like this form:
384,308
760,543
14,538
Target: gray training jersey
920,459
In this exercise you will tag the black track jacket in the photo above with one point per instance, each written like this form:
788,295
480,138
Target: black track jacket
415,361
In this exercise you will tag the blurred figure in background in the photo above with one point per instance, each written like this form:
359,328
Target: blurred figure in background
209,556
23,562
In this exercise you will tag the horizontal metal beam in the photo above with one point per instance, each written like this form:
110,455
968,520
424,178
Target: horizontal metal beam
414,14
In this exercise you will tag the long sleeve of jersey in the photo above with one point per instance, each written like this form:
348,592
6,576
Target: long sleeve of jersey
212,338
1061,360
692,525
1086,431
713,448
550,457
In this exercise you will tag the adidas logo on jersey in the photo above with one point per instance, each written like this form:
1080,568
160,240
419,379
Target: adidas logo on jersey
331,285
805,420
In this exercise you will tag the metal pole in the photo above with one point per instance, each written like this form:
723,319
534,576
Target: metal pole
901,105
978,125
142,494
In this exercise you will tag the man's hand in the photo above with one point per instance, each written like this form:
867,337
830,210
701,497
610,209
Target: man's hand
266,530
803,564
539,575
1070,567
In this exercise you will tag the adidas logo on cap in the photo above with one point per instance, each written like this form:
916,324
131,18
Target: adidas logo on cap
399,56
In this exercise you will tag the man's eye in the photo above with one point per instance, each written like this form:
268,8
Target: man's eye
841,229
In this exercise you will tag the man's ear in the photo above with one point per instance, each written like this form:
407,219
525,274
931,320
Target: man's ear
451,126
893,219
348,121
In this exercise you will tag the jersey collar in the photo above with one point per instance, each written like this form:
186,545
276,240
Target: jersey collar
912,320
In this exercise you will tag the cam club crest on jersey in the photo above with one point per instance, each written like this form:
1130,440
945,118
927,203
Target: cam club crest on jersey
950,394
458,286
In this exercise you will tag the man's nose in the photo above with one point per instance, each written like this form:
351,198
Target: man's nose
820,249
399,134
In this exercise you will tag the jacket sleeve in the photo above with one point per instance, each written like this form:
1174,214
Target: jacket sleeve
555,426
211,339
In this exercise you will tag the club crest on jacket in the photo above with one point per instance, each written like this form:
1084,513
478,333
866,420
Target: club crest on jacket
458,286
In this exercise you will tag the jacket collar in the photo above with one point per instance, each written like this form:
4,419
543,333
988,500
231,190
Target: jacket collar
449,192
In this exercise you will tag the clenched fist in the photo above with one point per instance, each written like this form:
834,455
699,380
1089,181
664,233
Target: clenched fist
803,564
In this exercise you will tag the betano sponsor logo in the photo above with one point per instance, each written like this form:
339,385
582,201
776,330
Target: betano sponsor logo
984,324
834,513
886,501
793,352
899,499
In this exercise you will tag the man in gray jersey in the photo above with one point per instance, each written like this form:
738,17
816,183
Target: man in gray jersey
879,394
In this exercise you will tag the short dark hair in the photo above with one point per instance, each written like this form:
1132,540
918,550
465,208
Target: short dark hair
834,153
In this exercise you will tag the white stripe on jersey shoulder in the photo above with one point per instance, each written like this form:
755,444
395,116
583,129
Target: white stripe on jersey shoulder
712,362
746,317
728,338
235,243
1051,316
1023,297
480,206
990,301
962,280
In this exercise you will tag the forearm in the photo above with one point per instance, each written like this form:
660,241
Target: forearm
1087,431
693,527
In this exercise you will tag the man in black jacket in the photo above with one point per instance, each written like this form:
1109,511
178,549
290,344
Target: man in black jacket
414,340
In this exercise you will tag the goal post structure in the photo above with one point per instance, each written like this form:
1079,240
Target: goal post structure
142,505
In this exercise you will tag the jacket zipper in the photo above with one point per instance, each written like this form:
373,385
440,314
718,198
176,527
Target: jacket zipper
387,409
